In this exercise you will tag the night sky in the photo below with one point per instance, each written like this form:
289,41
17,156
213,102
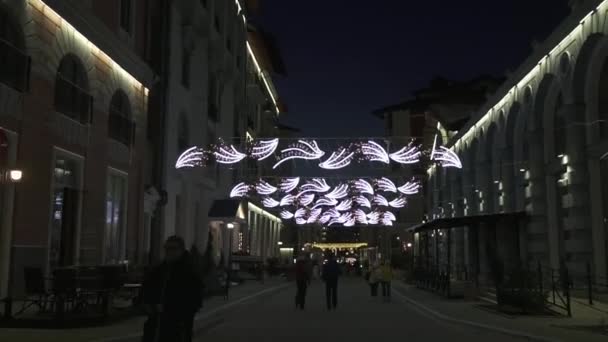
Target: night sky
347,58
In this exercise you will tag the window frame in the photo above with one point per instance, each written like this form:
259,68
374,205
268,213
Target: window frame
121,251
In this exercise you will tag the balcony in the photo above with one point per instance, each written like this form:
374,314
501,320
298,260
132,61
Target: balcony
15,70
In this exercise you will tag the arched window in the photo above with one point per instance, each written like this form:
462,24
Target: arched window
71,90
14,63
120,124
603,102
183,134
559,132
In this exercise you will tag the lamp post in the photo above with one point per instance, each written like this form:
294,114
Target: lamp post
230,227
11,176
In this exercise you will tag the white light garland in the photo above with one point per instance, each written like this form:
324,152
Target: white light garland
337,160
345,205
364,187
398,203
270,202
385,184
374,152
446,157
302,150
286,215
228,154
407,155
300,213
301,221
263,188
410,188
289,184
360,216
317,185
389,216
363,201
191,157
325,202
381,201
339,192
239,190
264,149
306,199
287,200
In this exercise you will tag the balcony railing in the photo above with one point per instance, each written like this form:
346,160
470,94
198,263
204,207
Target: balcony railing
121,129
14,67
73,101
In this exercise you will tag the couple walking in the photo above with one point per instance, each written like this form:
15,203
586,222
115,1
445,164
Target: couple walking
380,275
330,274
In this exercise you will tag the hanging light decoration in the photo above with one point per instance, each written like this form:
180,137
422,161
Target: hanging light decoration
289,184
227,154
264,149
350,222
398,202
317,185
300,221
306,199
300,213
333,213
345,205
445,156
337,160
287,200
364,187
373,217
314,215
410,188
239,190
270,202
363,201
387,215
381,201
325,202
408,155
286,215
192,157
308,150
374,152
360,216
263,188
339,192
385,184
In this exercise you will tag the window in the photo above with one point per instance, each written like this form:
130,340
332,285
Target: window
14,63
120,126
116,218
71,95
126,15
560,127
186,57
183,136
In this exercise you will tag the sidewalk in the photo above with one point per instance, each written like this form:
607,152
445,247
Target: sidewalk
130,330
541,328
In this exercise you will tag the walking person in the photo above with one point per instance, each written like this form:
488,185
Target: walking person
172,294
330,274
374,279
302,282
386,278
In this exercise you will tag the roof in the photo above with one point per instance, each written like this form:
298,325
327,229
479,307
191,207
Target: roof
454,222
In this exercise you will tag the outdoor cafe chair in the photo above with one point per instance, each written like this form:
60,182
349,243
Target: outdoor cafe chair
35,290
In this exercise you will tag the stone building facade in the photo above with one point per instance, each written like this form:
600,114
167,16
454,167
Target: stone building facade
539,146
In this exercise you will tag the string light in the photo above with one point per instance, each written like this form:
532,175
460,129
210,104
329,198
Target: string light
398,203
407,155
337,160
385,184
300,213
327,202
192,157
317,185
264,149
339,192
306,199
374,152
302,150
380,200
289,184
287,200
410,188
345,205
270,202
228,154
286,215
364,187
263,188
240,190
363,201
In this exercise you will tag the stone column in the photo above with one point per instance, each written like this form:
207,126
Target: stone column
538,238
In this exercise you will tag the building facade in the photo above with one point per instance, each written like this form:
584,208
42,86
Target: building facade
74,94
539,146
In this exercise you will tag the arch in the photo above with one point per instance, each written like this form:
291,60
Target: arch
120,122
72,97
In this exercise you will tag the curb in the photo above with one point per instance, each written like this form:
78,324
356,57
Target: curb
202,316
509,332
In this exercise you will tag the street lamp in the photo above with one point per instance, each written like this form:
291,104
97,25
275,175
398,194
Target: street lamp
280,243
230,226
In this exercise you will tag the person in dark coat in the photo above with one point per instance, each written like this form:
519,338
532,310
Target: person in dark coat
302,282
172,294
331,273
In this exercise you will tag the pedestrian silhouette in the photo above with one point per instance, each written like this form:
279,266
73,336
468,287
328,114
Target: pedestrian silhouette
331,273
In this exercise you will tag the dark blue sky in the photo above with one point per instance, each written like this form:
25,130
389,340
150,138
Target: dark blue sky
347,58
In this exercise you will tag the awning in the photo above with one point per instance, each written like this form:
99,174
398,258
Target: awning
227,210
454,222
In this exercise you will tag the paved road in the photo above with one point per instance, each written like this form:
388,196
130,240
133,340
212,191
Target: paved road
358,318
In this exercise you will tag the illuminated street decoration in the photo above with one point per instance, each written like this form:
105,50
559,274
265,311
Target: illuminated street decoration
225,154
314,215
340,220
337,160
317,185
333,212
239,190
398,203
286,215
345,205
350,222
363,201
360,216
445,156
287,200
374,152
308,150
264,149
289,184
364,187
300,213
192,157
325,202
300,221
306,199
389,216
407,155
380,200
339,192
264,188
373,217
410,188
324,219
385,184
270,202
